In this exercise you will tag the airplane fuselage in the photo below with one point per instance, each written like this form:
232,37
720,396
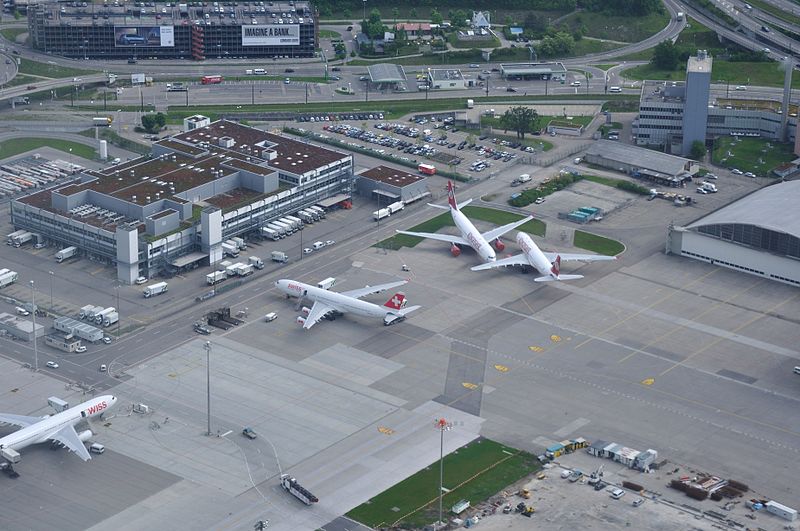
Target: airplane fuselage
534,255
50,425
473,236
339,302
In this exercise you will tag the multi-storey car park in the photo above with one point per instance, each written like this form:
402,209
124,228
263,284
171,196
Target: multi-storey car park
196,30
174,209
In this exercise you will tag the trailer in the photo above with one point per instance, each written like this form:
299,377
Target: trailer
67,252
270,234
91,314
287,228
100,316
231,269
286,221
256,262
298,223
110,319
319,210
279,256
295,489
155,289
277,228
13,235
306,217
313,213
244,270
381,213
230,250
8,278
396,207
102,121
215,277
22,239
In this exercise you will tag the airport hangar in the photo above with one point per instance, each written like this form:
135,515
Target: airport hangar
646,164
174,209
758,234
181,31
388,185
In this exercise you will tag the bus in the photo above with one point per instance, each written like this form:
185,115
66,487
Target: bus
210,80
427,169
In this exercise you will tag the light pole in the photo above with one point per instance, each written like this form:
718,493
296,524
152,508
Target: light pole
35,346
365,9
51,290
207,346
442,425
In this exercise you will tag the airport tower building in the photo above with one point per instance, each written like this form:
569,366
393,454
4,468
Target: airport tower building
695,111
172,210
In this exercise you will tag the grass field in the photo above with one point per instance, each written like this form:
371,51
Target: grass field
498,217
9,148
587,46
474,472
52,71
12,33
624,29
764,74
597,244
747,152
329,34
21,79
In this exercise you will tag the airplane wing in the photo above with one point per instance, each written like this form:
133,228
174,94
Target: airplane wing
369,290
69,438
317,313
18,420
579,257
499,231
441,237
517,259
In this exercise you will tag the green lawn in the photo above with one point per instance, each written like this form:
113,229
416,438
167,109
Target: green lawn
474,472
21,79
491,215
52,71
328,34
617,28
761,74
748,151
11,34
108,134
597,244
9,148
587,46
494,121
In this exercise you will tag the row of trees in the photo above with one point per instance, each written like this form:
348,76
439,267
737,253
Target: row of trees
626,8
329,7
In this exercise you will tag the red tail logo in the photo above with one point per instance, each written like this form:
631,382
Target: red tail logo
397,301
556,265
451,195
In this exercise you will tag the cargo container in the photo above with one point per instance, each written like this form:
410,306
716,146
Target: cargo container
155,289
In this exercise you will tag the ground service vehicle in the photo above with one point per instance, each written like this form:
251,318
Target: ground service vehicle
110,319
8,278
381,213
102,121
271,316
215,277
64,254
427,169
249,433
256,262
293,487
155,289
279,256
211,80
396,207
326,283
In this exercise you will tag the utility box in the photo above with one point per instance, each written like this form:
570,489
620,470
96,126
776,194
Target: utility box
58,404
141,408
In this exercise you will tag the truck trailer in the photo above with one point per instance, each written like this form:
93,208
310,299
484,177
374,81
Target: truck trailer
215,277
240,243
230,250
111,318
279,256
8,278
270,234
381,213
22,239
155,289
396,207
256,262
244,270
65,253
298,223
296,490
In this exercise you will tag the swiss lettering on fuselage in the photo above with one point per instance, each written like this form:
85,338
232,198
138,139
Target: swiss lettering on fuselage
96,408
474,241
294,287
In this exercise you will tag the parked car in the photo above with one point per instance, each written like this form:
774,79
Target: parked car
107,340
575,84
617,493
307,250
749,174
52,364
81,349
736,171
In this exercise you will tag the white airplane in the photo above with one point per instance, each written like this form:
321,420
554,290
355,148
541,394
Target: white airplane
548,264
330,303
59,427
469,234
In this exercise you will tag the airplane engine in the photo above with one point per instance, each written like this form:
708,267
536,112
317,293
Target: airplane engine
306,310
455,250
301,320
499,245
85,435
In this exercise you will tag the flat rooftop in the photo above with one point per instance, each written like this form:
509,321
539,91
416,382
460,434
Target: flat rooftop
533,68
646,159
392,176
445,74
386,73
700,64
663,92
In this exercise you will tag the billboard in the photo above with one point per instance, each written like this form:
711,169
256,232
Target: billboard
144,36
271,35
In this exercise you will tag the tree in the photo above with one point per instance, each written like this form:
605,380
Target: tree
395,14
665,56
436,17
698,150
373,27
413,12
520,120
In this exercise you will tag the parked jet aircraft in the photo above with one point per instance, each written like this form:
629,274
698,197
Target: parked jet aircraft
548,264
329,303
59,427
469,234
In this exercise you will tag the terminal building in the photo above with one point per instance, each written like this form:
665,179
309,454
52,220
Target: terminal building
188,30
172,210
673,114
758,234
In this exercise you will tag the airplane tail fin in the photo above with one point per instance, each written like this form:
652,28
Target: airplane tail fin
397,301
451,195
556,266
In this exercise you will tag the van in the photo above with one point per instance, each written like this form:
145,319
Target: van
615,90
22,311
248,72
103,368
259,71
318,245
271,316
797,370
617,493
97,448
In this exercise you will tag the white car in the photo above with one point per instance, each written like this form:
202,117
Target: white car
52,364
308,250
617,493
749,174
107,340
702,190
539,200
81,349
736,171
740,87
565,474
575,84
329,242
711,176
141,280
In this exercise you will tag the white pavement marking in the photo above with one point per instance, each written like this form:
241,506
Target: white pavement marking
572,426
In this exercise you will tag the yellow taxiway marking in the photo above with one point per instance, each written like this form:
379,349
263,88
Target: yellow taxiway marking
501,368
555,339
648,381
470,385
386,431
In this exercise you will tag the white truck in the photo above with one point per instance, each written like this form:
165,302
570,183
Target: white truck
65,253
313,213
85,311
306,217
285,227
295,225
231,269
280,231
111,318
90,315
326,283
244,270
298,223
215,277
101,315
381,213
14,235
256,262
155,289
470,104
296,490
22,239
279,256
319,210
230,250
270,234
8,278
396,207
240,243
